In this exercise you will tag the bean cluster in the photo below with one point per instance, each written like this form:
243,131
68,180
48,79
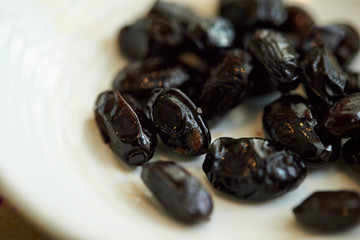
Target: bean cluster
186,72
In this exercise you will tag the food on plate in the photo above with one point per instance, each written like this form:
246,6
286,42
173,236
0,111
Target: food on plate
252,168
124,126
251,48
329,211
291,122
177,191
178,122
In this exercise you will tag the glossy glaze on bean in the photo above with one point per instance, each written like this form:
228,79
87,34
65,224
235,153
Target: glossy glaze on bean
252,168
343,118
290,122
227,85
124,126
178,122
178,192
278,56
325,79
140,78
329,211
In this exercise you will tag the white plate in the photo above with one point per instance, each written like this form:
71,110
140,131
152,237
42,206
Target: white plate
55,57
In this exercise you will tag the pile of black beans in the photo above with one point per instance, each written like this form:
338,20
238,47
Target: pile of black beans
186,72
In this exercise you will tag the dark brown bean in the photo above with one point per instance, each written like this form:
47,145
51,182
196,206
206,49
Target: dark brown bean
150,37
125,127
278,56
325,80
140,78
329,211
227,85
178,122
178,192
343,118
290,122
252,168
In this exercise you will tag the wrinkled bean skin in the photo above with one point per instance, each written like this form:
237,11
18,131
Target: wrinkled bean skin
250,13
178,192
329,211
343,118
125,127
178,122
227,85
278,56
290,122
351,153
140,78
325,80
252,168
150,37
343,40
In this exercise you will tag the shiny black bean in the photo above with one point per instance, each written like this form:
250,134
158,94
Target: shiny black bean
125,127
290,122
325,80
252,168
278,56
227,84
178,122
329,211
178,192
343,118
140,78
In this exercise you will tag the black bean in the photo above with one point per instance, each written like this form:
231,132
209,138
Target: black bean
125,127
227,84
178,122
278,56
178,192
343,118
290,122
329,211
325,80
252,168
